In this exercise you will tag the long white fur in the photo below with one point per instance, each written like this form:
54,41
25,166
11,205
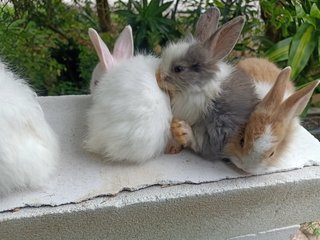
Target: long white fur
130,116
28,147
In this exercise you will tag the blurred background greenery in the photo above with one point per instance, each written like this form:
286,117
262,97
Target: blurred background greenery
46,41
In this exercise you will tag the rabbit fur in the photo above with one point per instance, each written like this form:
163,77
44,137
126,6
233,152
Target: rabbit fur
210,98
29,148
130,116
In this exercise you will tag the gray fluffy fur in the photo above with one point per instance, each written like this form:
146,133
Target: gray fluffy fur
227,114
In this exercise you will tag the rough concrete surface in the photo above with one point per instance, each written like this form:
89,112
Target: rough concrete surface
219,209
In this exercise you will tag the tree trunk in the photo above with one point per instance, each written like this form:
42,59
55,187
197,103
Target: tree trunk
103,11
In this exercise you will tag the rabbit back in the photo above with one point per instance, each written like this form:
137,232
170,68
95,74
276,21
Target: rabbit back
28,146
130,116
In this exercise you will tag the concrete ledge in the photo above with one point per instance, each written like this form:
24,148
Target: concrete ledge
210,208
218,210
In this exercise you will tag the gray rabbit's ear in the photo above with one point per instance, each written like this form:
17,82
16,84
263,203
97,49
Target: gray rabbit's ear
221,43
207,24
188,38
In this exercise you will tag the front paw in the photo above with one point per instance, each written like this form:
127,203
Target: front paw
173,147
181,132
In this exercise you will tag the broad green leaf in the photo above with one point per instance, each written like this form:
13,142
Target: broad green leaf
302,46
315,12
311,20
299,11
279,51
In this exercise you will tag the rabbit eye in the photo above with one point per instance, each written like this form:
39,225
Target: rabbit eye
178,69
271,154
242,142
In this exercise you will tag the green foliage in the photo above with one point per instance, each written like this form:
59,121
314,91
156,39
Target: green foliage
229,9
149,21
47,43
298,42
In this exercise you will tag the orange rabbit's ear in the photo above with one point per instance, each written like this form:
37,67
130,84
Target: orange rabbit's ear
275,96
295,104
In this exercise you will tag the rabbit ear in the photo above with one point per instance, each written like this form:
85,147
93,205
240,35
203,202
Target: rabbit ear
295,104
188,37
123,48
102,50
223,40
275,95
207,24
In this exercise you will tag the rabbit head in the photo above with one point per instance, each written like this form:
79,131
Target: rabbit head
270,126
123,49
189,64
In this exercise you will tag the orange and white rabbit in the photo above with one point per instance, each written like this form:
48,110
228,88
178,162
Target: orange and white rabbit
271,126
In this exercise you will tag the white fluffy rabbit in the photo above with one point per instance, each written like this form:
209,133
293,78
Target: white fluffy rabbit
130,116
28,147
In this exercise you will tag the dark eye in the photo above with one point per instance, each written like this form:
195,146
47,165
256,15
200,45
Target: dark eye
196,67
242,142
271,154
178,69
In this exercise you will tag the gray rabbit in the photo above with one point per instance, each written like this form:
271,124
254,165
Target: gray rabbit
210,99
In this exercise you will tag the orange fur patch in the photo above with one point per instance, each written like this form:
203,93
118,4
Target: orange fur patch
262,70
178,132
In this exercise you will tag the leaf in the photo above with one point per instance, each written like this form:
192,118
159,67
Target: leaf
302,46
299,11
315,12
279,51
162,8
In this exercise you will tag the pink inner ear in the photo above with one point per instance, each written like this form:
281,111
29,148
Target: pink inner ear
123,48
102,50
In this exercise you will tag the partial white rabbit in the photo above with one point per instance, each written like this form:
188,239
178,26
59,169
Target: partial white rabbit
130,115
28,147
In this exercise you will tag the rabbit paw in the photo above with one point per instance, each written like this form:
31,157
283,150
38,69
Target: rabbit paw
181,132
173,147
